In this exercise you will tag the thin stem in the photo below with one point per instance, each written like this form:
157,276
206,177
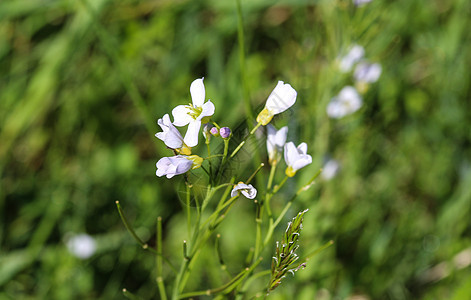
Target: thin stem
272,175
188,210
226,288
129,228
159,279
255,173
244,140
279,186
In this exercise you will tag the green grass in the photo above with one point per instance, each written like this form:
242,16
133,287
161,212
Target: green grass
82,84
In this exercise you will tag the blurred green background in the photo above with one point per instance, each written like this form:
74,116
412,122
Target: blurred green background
82,84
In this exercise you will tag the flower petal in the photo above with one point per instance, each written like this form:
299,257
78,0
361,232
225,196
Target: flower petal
191,136
291,153
181,116
281,98
197,92
208,110
280,138
170,135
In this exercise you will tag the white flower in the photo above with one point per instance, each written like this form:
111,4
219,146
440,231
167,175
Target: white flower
281,98
354,55
193,114
175,165
360,2
171,136
246,189
296,158
367,72
82,245
346,102
276,140
330,169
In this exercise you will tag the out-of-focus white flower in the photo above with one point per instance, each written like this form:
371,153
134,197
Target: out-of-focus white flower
361,2
276,140
281,98
81,245
246,189
171,136
296,158
176,165
193,114
346,102
354,55
367,72
330,169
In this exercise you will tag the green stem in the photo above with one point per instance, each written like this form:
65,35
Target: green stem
160,281
226,288
245,139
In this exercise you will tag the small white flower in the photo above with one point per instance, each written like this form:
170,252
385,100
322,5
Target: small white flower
354,55
171,166
82,245
296,157
170,134
367,72
360,2
246,189
193,114
330,169
346,102
281,98
276,140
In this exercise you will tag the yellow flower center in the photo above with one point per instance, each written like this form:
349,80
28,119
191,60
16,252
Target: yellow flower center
185,150
264,117
194,112
290,172
197,161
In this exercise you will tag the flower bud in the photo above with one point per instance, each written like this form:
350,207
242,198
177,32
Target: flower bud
225,132
214,131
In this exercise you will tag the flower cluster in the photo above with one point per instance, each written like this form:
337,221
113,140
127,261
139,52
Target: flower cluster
199,112
348,100
193,115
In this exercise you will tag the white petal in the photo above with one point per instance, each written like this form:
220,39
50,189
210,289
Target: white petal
181,116
170,135
197,92
250,192
208,110
281,98
302,148
291,153
354,55
367,72
280,138
303,161
191,136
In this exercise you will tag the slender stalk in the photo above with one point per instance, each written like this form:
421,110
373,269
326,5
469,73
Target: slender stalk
245,140
129,295
272,175
129,228
255,173
188,210
226,288
159,279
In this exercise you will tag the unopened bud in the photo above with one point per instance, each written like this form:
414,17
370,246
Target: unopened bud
214,131
225,132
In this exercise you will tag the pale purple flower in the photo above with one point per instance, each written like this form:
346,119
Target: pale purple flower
246,189
367,72
346,102
175,165
354,55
